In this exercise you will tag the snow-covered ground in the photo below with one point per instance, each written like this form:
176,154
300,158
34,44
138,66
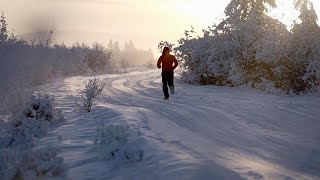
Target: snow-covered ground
202,132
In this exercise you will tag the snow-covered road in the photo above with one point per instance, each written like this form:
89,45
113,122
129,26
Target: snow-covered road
200,133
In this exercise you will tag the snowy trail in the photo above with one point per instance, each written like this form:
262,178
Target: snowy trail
201,133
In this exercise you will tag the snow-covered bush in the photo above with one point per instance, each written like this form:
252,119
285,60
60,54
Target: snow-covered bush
33,120
29,164
118,141
15,101
30,120
211,60
93,88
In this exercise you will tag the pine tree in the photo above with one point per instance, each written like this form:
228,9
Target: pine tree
3,29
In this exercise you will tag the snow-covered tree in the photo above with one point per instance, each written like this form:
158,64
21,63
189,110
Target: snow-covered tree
259,36
249,47
300,72
239,49
7,38
129,55
242,8
98,58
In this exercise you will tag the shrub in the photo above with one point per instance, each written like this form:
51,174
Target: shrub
30,120
93,88
33,120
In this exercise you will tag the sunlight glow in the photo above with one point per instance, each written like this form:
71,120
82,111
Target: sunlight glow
285,12
207,12
203,10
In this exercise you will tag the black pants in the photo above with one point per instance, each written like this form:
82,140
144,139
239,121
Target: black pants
167,79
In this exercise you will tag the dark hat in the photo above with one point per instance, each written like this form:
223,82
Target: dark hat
166,49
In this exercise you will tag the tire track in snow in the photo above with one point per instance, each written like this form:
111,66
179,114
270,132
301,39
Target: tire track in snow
258,134
205,132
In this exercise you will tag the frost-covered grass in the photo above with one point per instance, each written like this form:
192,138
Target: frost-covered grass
30,164
119,142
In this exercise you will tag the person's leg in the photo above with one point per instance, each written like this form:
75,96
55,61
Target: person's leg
165,84
170,82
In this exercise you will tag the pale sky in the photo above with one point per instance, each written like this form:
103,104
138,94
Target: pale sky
145,22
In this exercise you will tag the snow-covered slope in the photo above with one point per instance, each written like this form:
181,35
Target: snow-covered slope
200,133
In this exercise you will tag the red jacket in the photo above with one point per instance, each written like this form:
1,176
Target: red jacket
167,62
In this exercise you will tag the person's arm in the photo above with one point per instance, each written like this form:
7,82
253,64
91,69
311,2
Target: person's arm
159,62
175,63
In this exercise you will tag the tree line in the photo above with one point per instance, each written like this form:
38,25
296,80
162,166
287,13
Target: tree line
24,65
248,47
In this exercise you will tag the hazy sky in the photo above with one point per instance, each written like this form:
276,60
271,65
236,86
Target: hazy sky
145,22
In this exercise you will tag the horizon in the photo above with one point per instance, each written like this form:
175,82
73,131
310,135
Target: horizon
123,20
